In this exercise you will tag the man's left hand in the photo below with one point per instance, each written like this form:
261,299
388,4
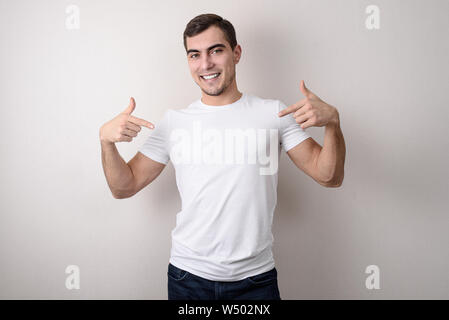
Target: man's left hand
311,111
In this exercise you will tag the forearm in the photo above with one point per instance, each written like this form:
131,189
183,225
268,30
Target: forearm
118,174
331,159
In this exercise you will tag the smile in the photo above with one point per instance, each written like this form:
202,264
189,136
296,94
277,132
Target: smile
210,77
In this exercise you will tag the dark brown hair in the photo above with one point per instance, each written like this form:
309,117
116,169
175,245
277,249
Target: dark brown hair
204,21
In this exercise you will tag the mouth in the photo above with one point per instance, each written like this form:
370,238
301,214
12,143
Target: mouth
211,77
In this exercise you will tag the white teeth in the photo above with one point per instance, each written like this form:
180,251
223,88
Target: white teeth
211,76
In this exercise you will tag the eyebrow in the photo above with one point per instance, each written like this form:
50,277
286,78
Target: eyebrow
211,47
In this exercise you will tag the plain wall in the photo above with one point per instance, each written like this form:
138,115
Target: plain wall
390,86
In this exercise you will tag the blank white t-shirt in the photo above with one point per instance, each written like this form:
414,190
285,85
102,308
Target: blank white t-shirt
225,159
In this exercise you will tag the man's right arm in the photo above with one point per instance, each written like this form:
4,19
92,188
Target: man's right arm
127,179
118,174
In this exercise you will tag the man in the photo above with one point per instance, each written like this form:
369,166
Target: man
221,245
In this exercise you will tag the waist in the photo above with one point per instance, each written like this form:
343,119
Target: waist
230,267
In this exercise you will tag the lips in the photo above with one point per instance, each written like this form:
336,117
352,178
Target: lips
210,80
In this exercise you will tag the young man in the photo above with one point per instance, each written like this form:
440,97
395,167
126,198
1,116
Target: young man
225,149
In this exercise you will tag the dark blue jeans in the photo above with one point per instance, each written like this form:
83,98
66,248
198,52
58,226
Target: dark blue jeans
183,285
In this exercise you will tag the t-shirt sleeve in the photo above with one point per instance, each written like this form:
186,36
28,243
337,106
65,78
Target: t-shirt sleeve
157,144
290,131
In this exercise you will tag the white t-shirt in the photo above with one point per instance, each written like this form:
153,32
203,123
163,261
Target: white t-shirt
226,160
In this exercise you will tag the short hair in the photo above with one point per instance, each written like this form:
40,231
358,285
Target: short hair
204,21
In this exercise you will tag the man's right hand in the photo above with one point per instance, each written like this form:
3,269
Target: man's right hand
123,127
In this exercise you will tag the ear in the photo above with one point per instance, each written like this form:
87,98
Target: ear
237,53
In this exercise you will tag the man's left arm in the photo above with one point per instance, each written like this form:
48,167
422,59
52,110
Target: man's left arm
331,159
324,164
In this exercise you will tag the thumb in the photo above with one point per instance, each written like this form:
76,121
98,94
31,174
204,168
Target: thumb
131,106
303,89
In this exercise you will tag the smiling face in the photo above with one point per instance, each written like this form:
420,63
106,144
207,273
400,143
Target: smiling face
209,53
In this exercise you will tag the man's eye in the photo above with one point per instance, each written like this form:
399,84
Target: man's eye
194,55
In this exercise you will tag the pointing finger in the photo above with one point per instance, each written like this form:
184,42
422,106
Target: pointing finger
140,122
292,108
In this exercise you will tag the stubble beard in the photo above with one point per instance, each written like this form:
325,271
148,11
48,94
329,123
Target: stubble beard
219,90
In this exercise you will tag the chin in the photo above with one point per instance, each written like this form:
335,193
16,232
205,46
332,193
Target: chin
214,94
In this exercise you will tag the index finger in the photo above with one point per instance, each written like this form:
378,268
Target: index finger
292,108
140,122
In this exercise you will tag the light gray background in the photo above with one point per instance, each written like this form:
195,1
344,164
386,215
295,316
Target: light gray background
59,86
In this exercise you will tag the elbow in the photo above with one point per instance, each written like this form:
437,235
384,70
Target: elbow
336,182
334,185
117,195
121,196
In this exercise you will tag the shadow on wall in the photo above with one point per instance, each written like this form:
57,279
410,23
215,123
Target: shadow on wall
269,63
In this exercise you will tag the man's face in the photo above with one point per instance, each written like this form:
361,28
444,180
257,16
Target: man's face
209,53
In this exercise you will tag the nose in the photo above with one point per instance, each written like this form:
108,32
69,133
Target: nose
206,63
